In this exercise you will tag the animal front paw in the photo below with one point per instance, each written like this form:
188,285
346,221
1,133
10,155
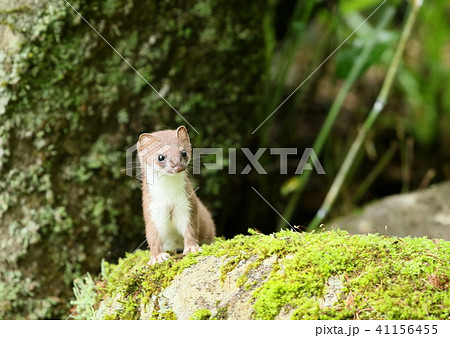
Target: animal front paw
162,257
191,248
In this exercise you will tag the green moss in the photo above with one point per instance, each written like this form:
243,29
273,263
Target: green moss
201,314
383,277
387,277
136,282
168,315
222,313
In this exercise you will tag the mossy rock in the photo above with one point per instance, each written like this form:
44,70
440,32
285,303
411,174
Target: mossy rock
70,107
327,275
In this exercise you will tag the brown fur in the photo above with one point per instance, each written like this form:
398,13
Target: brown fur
200,228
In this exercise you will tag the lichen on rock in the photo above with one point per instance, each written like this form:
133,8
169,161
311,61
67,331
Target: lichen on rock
70,107
287,275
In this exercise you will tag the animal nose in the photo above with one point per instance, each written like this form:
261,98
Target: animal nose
177,168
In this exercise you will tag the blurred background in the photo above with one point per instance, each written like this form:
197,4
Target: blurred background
70,107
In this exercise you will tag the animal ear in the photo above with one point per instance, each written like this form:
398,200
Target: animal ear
182,135
145,140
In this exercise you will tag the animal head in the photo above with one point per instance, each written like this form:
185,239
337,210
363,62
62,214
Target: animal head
165,152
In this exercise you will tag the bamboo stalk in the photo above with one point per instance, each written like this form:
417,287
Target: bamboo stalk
376,109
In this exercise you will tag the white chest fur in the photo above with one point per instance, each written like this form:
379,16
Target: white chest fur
170,209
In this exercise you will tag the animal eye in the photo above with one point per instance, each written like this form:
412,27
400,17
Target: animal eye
183,153
161,157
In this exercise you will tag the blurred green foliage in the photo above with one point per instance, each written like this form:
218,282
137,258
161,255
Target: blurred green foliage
415,119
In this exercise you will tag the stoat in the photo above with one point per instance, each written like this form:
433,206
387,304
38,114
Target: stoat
174,217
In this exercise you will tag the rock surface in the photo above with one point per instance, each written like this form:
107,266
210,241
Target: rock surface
421,213
192,290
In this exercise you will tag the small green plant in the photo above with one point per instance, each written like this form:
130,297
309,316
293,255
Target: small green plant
85,297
